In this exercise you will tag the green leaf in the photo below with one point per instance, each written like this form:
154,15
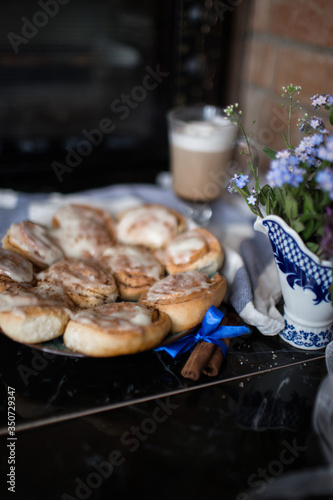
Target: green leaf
307,216
308,204
291,206
265,189
308,231
268,206
330,114
263,195
270,153
297,225
312,246
262,199
319,228
279,197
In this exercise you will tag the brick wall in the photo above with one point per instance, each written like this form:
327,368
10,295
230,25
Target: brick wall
282,42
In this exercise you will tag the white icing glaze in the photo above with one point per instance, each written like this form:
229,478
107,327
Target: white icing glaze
132,259
147,226
178,285
77,242
72,214
9,301
182,249
139,316
16,298
69,215
15,266
80,275
116,318
50,292
82,231
35,241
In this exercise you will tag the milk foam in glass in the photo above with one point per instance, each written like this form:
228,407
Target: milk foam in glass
201,145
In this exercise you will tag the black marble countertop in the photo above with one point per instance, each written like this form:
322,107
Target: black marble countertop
50,388
133,426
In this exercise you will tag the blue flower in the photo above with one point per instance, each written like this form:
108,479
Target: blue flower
241,181
293,162
316,139
285,172
325,100
306,151
251,199
325,180
231,187
325,151
296,176
314,123
283,154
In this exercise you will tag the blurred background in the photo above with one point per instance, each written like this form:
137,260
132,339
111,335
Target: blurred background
85,84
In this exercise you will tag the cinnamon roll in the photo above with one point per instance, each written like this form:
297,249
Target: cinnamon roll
34,242
14,268
135,269
185,297
149,225
82,231
116,329
34,314
197,249
87,282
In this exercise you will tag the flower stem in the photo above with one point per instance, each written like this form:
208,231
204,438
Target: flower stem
289,123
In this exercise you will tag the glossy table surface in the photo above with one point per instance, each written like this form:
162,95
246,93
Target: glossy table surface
133,426
51,388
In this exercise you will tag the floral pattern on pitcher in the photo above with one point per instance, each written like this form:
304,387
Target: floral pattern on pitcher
299,268
304,339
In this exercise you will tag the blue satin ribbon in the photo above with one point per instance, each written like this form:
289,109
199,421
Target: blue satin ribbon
209,331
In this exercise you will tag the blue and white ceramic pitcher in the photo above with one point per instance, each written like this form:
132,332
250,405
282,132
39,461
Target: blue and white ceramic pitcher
305,282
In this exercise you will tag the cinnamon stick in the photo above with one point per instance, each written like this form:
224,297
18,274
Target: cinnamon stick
207,358
214,364
198,360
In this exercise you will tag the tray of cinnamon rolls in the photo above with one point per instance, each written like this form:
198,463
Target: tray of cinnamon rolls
101,285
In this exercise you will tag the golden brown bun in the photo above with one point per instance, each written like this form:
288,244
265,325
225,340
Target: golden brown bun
197,249
31,325
149,225
15,268
185,297
87,283
15,289
4,284
34,242
82,231
34,314
134,267
81,264
116,329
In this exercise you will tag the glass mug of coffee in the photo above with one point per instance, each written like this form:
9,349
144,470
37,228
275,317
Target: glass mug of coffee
201,141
